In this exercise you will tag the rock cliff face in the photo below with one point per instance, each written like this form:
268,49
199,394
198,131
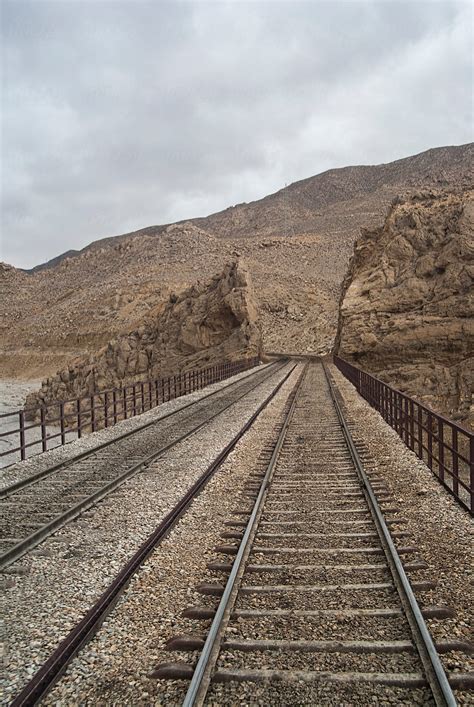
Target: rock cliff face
407,306
204,325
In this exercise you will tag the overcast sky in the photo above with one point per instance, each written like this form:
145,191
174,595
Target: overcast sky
119,115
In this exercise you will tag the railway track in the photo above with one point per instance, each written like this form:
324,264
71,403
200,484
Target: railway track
47,674
34,508
317,607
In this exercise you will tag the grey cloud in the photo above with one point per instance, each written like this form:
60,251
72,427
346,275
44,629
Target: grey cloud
118,115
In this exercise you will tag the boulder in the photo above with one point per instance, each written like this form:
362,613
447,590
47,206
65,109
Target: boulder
204,325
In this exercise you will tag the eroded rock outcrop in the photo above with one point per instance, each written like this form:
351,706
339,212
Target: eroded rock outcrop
407,307
203,325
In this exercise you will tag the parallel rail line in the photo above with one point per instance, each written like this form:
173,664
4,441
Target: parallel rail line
317,534
36,507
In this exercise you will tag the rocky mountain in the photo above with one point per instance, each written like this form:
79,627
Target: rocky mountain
407,310
199,327
297,244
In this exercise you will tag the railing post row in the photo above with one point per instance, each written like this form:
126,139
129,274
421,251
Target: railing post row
423,431
121,403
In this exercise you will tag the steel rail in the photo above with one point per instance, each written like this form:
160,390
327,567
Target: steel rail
35,538
22,483
202,673
46,677
434,671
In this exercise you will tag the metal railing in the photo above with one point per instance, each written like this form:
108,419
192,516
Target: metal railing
446,447
55,423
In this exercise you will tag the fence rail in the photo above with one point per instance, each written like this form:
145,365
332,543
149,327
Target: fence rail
53,424
446,447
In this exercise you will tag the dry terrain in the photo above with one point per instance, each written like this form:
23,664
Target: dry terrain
297,244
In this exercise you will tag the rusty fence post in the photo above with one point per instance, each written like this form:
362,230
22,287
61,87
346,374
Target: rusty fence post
406,422
455,461
124,396
429,425
395,411
44,442
471,470
106,409
440,449
420,432
79,421
92,413
412,425
21,419
114,405
61,422
399,415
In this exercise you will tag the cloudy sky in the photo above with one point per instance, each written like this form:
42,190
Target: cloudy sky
122,114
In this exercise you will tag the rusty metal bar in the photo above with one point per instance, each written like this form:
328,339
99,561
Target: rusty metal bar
22,434
430,440
412,424
455,462
420,432
61,417
471,470
44,443
92,413
440,451
124,403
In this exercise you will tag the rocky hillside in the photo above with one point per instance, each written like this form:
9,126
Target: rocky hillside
202,326
297,244
407,311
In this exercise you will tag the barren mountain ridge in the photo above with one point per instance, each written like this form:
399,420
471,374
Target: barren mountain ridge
297,243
